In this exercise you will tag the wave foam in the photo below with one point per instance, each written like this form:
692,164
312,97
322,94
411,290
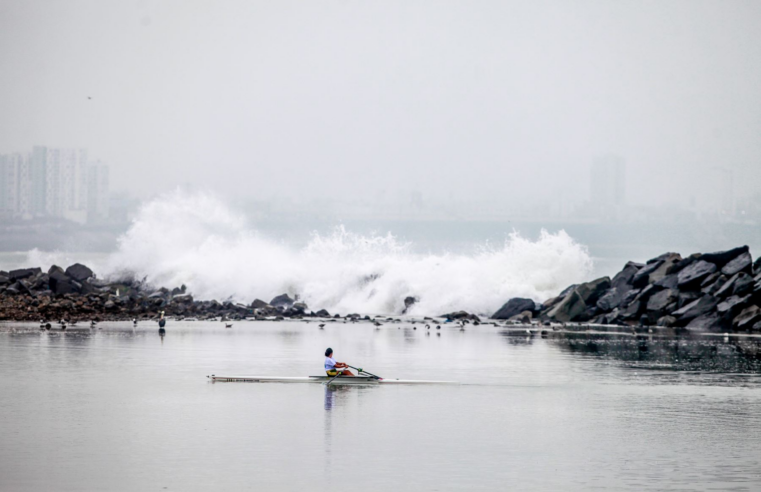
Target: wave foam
197,241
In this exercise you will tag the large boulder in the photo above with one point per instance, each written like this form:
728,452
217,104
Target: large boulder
570,308
694,274
668,282
283,300
684,263
659,301
741,263
656,269
727,287
732,306
699,307
747,318
259,304
721,258
79,272
711,322
620,286
61,284
591,291
22,273
4,279
757,266
743,284
514,306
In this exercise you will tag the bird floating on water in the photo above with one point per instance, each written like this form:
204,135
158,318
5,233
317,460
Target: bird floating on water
322,326
228,325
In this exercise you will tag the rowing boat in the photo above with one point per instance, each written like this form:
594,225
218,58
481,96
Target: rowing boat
321,379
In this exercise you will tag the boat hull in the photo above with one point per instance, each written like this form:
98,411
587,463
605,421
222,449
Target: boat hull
343,380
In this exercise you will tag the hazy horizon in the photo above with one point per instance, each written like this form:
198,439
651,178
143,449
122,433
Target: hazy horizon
507,100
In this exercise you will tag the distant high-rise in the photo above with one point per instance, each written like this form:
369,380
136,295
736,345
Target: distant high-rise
53,183
608,181
97,192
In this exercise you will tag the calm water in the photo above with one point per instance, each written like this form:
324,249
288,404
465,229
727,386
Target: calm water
122,409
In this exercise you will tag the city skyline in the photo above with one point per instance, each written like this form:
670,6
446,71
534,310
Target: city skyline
54,182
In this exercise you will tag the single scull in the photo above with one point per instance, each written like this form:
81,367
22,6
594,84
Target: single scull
321,379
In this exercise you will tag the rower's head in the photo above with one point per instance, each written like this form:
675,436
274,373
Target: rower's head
329,352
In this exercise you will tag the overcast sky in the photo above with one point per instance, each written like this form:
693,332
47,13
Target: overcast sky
319,98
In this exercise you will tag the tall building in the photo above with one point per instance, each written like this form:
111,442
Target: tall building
53,183
97,192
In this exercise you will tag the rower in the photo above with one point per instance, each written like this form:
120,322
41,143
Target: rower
331,365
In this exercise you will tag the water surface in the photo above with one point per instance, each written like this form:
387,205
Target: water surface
123,409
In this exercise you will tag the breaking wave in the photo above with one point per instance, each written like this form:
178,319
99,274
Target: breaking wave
198,241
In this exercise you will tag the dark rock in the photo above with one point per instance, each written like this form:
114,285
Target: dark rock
732,305
714,285
668,262
645,293
709,322
323,313
661,300
668,282
710,279
282,300
409,301
757,266
694,274
460,315
625,276
4,280
743,284
610,300
630,296
681,265
686,298
259,304
666,321
55,268
79,272
642,277
41,282
514,306
550,303
726,288
632,311
741,263
591,291
721,258
61,284
571,308
23,273
182,298
699,307
747,318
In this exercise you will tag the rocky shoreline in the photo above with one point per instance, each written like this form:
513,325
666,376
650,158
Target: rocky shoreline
714,292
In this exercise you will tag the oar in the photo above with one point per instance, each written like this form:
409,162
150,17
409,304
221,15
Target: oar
360,370
333,379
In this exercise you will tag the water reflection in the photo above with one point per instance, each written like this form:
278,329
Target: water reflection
727,355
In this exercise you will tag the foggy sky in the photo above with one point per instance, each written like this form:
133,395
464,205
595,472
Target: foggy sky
506,99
